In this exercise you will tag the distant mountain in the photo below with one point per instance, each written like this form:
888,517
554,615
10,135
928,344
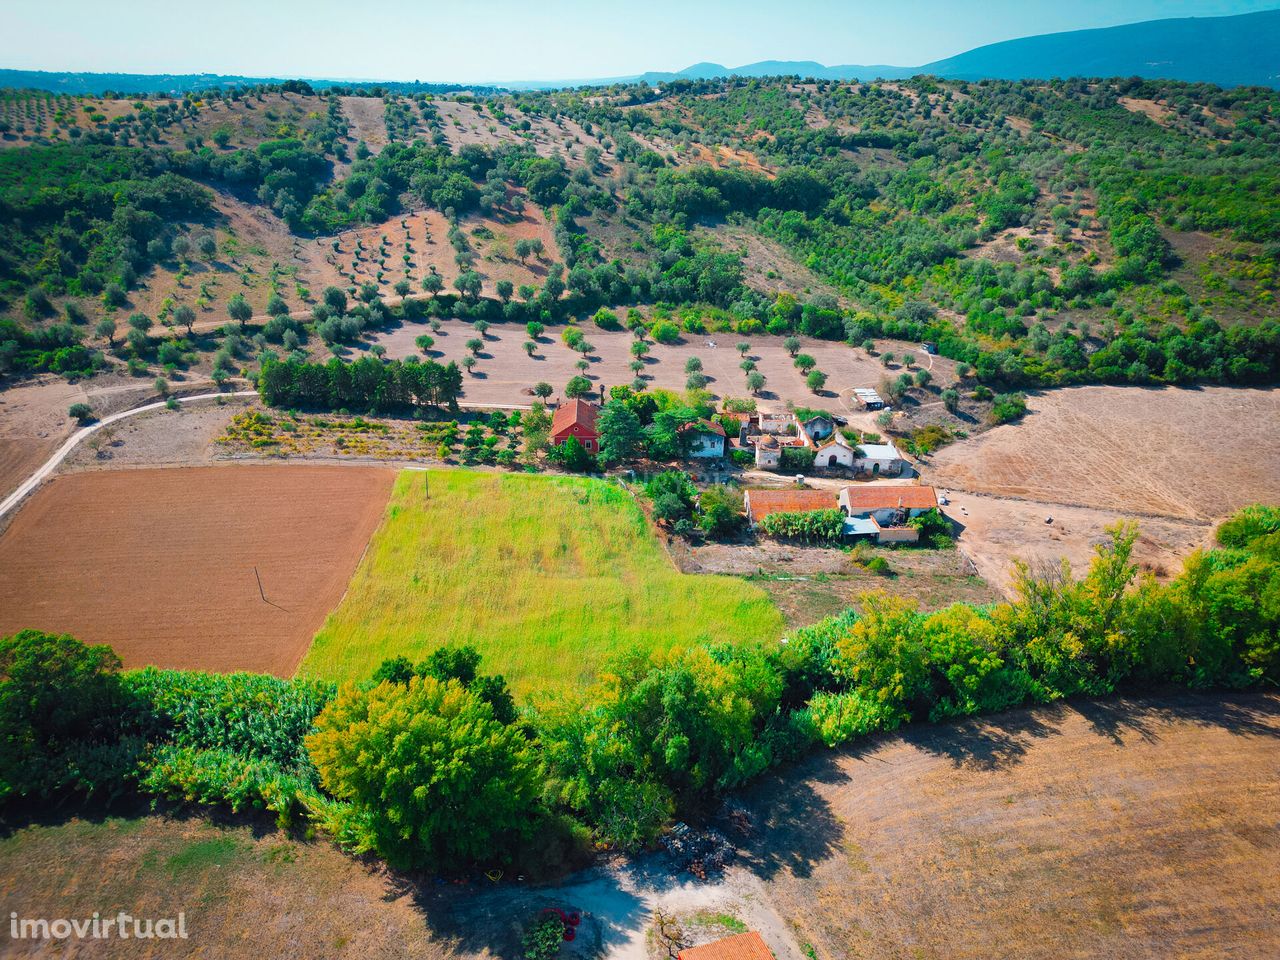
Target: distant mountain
1242,50
1234,51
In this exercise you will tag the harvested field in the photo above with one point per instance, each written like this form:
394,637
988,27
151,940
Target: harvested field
1117,829
1178,461
160,563
547,577
1194,455
505,373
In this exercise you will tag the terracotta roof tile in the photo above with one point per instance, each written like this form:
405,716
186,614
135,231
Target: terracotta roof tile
882,496
706,426
765,502
575,411
744,946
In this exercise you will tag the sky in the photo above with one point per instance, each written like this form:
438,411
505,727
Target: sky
496,40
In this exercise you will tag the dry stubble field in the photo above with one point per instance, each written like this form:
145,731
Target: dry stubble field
1177,460
1112,829
505,373
160,563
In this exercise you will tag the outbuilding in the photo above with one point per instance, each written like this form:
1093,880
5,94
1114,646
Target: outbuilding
879,460
703,439
835,453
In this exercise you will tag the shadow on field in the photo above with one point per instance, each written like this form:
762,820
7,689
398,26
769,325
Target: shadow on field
993,743
1242,714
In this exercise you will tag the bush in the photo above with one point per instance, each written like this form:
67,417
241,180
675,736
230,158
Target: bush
438,779
67,723
879,565
82,412
1008,407
664,331
543,939
809,526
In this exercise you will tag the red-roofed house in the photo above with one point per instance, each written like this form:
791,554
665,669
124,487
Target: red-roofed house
743,946
576,418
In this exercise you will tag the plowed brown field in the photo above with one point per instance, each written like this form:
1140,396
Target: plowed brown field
160,563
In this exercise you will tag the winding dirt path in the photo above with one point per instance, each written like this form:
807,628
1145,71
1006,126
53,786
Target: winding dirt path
11,502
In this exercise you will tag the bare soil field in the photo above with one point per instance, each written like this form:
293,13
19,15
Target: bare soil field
1194,455
505,373
367,119
161,563
996,531
1117,829
421,236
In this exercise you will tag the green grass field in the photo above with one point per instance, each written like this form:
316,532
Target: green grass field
547,576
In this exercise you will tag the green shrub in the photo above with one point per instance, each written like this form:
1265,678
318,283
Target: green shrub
809,526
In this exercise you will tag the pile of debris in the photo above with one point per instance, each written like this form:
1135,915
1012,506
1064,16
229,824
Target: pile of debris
699,852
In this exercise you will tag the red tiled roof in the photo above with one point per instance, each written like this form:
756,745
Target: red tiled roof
882,496
743,946
706,426
765,502
575,412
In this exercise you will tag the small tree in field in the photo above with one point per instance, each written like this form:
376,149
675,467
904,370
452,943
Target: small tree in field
81,412
433,283
530,347
744,348
534,329
469,362
791,345
425,342
542,390
577,387
804,363
238,309
816,380
755,381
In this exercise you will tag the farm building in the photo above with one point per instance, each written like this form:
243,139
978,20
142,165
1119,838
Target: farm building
742,946
835,453
818,428
577,419
768,453
776,423
879,459
704,439
760,503
868,399
881,511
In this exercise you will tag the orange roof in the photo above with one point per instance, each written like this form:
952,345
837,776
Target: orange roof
575,412
765,502
743,946
882,496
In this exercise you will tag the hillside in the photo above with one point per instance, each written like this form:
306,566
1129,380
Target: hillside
1040,234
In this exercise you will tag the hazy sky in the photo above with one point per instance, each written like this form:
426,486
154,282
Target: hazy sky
530,39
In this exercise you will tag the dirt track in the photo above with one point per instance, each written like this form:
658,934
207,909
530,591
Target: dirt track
160,563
